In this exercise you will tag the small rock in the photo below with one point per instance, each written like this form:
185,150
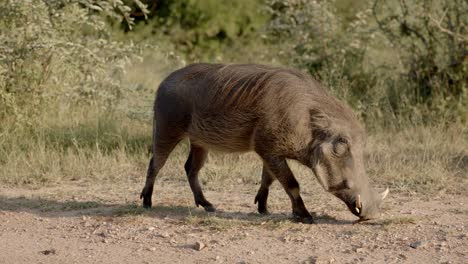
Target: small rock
442,246
199,246
48,252
418,244
105,241
359,250
319,260
152,249
151,228
164,235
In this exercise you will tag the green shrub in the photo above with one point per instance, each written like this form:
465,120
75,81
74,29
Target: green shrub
206,30
59,52
396,63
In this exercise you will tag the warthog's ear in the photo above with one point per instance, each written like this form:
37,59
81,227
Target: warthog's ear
318,119
319,123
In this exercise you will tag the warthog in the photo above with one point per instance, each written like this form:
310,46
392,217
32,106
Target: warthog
280,114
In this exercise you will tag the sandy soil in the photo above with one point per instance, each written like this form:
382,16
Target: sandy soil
82,223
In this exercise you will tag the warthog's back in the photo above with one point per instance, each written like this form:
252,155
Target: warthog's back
223,105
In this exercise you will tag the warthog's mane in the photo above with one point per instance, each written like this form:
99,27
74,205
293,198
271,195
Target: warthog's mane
242,86
244,83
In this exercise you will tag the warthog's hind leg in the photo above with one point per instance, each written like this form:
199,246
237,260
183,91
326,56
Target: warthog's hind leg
193,165
262,194
161,152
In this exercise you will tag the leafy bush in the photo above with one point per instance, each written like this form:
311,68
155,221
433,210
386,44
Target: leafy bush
202,30
59,51
431,38
395,62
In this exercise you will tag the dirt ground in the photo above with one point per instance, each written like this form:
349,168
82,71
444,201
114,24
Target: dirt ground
85,223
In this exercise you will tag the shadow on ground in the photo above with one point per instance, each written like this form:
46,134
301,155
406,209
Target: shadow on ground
52,208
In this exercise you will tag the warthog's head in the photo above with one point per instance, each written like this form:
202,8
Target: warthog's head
338,163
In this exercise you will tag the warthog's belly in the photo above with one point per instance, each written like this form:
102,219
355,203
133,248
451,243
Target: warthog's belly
223,132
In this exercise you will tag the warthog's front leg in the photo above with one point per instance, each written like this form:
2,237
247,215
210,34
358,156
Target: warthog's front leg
278,167
262,194
193,165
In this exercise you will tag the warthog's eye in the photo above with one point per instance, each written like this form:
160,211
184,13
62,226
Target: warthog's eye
340,147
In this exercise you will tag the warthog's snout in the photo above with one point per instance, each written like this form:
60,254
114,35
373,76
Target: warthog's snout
365,205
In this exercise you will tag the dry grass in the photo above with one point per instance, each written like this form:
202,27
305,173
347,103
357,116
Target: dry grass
96,150
420,159
91,145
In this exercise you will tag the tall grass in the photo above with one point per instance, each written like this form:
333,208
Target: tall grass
99,148
80,146
420,159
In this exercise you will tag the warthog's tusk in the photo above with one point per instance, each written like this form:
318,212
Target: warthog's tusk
384,193
358,204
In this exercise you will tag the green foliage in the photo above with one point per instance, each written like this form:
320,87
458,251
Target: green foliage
394,62
202,30
431,38
59,52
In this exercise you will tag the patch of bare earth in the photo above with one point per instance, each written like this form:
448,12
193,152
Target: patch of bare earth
87,224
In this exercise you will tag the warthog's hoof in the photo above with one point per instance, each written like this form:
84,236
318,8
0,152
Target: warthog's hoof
308,220
305,220
146,203
146,196
206,205
209,208
263,211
